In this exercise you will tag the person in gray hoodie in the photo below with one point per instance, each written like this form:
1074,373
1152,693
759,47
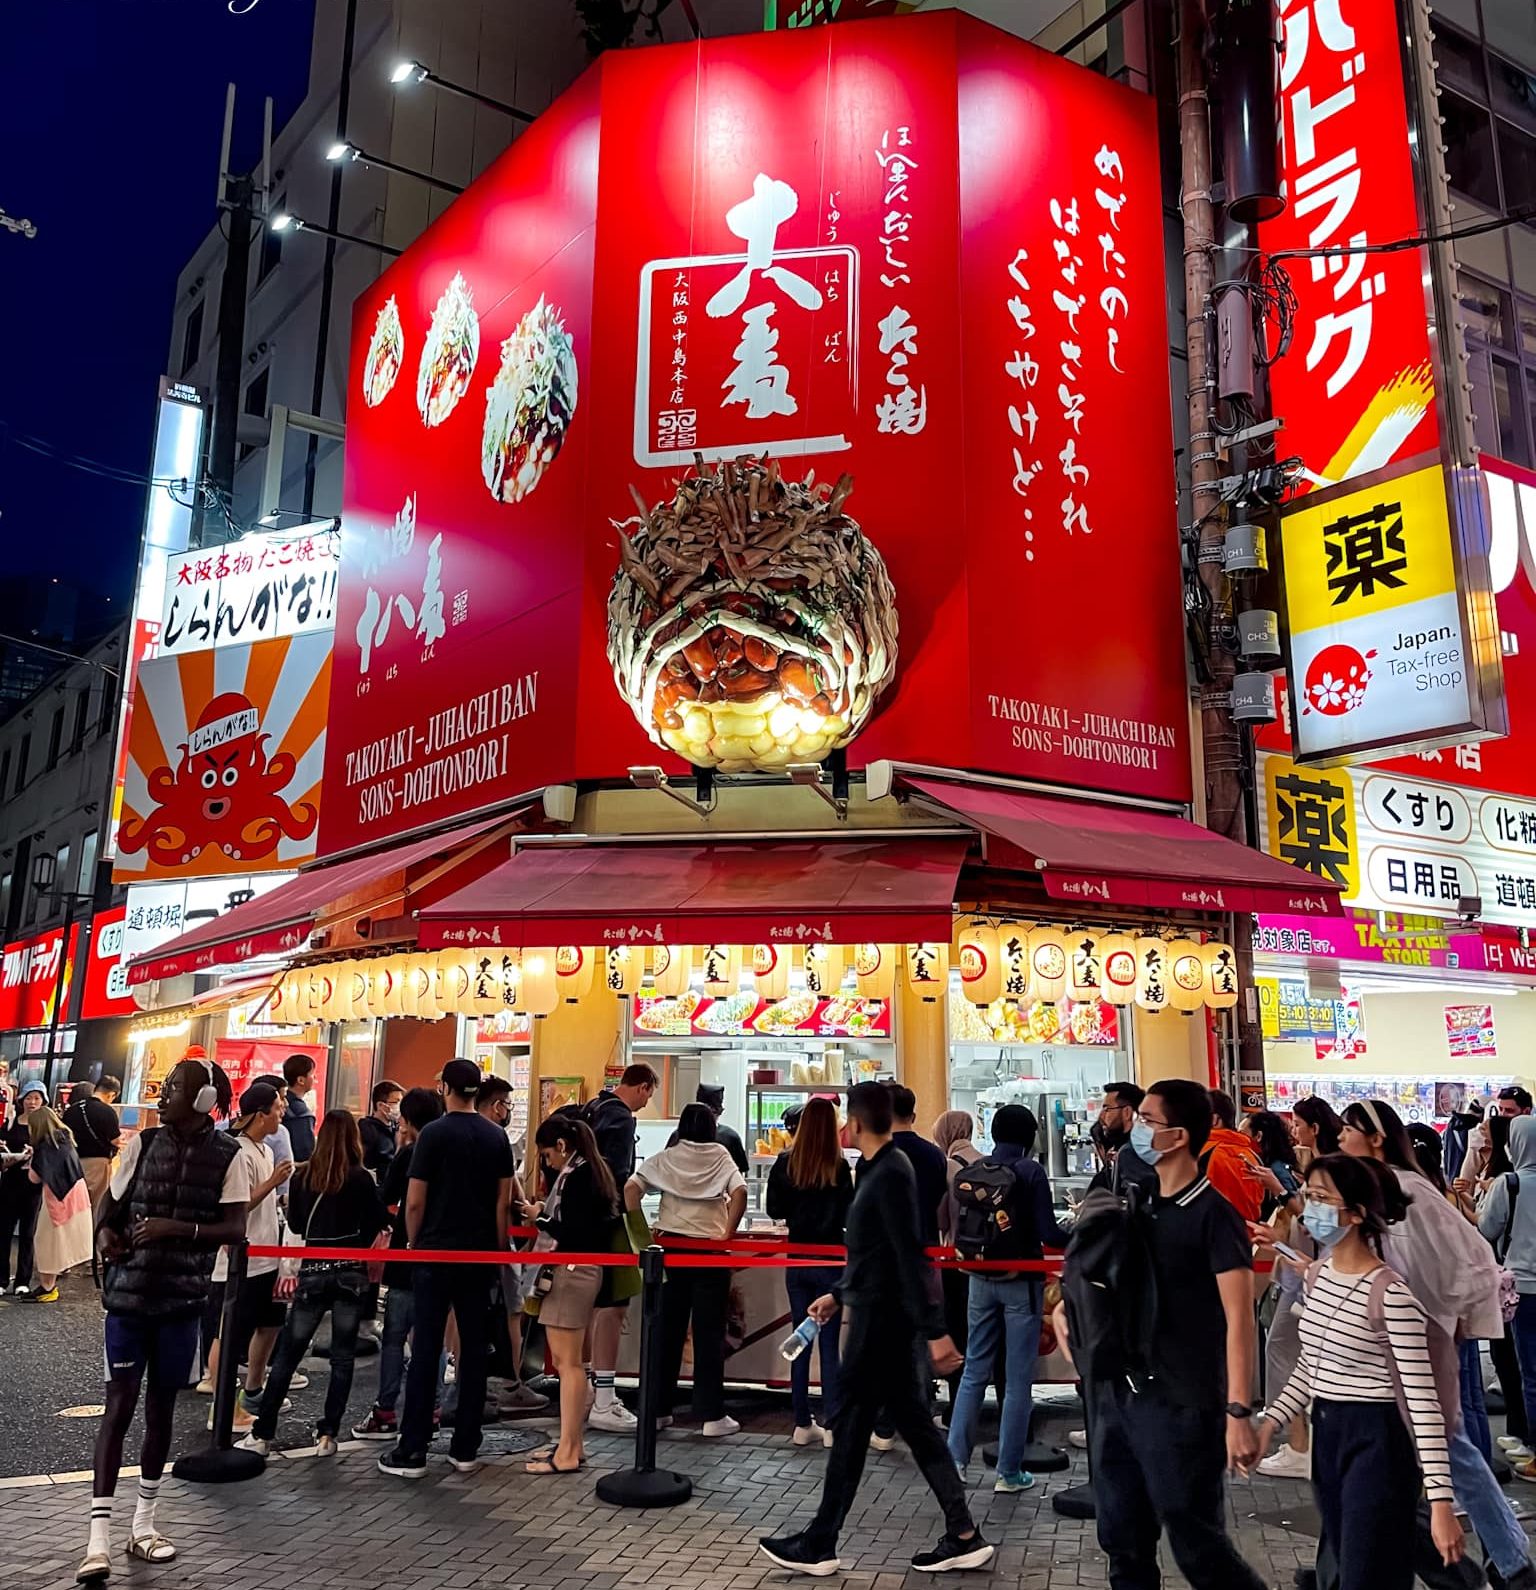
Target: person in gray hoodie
1508,1220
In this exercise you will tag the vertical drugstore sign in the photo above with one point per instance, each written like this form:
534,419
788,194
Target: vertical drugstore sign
1393,634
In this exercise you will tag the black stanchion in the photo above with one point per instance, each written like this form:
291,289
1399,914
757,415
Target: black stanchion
645,1485
221,1462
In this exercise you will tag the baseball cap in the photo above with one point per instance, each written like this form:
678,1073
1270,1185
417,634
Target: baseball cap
256,1099
463,1077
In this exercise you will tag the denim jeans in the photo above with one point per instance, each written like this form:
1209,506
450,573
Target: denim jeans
1006,1312
338,1292
1491,1517
1523,1329
804,1286
399,1317
1474,1409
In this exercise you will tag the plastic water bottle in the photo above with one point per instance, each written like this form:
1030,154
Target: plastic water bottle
799,1339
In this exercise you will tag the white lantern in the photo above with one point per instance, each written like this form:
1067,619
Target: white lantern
1085,966
1220,975
770,970
509,979
1047,964
671,967
484,994
721,965
1186,975
1117,960
450,979
874,970
623,968
1013,959
283,1009
981,971
928,969
428,1005
539,985
354,999
376,975
408,968
573,971
824,967
1152,991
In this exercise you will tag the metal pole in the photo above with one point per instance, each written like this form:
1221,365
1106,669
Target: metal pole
233,287
221,1462
645,1485
58,987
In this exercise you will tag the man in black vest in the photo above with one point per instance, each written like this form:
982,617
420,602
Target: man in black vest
179,1192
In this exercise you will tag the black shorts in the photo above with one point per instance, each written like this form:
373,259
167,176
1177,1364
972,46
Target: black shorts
258,1310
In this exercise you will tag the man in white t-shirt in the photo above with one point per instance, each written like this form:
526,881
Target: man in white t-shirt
260,1315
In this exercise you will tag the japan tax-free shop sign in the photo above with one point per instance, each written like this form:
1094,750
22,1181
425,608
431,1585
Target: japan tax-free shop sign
916,251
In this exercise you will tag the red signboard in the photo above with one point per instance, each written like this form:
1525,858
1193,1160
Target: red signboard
746,1015
29,979
105,991
1356,391
917,251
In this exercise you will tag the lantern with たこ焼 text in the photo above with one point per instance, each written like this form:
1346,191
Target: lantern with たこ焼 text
874,970
623,968
981,972
928,969
1013,959
1152,991
824,967
770,970
1186,976
671,967
1220,975
721,966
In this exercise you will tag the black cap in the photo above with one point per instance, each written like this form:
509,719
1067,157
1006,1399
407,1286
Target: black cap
256,1099
463,1077
712,1094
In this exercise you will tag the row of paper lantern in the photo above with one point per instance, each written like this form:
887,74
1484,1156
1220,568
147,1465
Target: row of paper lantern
1029,962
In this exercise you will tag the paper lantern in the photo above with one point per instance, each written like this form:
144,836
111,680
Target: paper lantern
1152,991
874,970
770,970
484,995
354,997
539,986
981,969
1220,975
1085,966
671,967
1117,962
1186,975
1047,964
1013,959
509,978
623,968
573,971
424,973
284,1006
407,969
824,967
450,983
721,965
928,969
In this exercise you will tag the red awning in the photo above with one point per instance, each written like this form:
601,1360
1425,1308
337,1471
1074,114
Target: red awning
280,921
1123,855
748,891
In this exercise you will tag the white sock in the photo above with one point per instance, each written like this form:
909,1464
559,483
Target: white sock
602,1380
101,1523
144,1512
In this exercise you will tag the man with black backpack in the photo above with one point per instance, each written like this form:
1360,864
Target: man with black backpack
1159,1310
1002,1210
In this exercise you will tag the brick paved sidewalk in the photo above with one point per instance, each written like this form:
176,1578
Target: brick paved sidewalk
339,1523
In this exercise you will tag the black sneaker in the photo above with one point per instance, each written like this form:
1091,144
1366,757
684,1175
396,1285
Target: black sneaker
951,1555
799,1555
403,1465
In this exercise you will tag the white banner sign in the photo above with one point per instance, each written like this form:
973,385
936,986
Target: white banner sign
264,585
160,912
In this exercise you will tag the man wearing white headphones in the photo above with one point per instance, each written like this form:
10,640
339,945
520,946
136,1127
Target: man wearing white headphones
179,1192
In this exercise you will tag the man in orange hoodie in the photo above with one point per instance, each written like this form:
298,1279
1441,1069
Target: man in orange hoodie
1231,1160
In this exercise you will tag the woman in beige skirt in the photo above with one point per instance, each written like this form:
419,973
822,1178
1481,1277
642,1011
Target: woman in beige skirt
576,1216
63,1237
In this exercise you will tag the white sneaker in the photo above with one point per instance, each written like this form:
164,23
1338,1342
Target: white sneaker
298,1382
882,1443
464,1465
826,1436
1287,1463
325,1445
717,1427
254,1443
1078,1438
808,1434
205,1386
615,1417
1508,1443
1518,1453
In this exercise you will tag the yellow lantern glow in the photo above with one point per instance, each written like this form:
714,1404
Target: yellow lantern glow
540,990
1013,959
770,970
509,977
407,968
284,1007
1152,982
573,971
721,965
1085,966
874,970
484,993
981,969
1186,975
425,977
824,967
1117,960
928,969
450,980
376,975
354,997
1220,962
1048,963
623,968
671,967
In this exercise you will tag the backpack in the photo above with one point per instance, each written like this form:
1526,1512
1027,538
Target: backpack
1109,1286
982,1191
1443,1359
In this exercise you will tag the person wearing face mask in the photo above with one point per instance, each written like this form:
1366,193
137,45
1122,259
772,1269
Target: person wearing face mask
1364,1351
380,1128
1117,1115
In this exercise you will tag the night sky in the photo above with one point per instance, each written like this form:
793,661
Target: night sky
109,141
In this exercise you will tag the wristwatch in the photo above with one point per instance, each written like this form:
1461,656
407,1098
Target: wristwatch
1239,1410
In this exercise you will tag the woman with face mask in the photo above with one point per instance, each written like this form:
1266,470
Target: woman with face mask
1365,1348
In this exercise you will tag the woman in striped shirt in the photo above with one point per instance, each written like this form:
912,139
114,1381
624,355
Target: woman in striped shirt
1364,1357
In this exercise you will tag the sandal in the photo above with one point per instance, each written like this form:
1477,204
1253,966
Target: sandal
547,1465
152,1548
96,1567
